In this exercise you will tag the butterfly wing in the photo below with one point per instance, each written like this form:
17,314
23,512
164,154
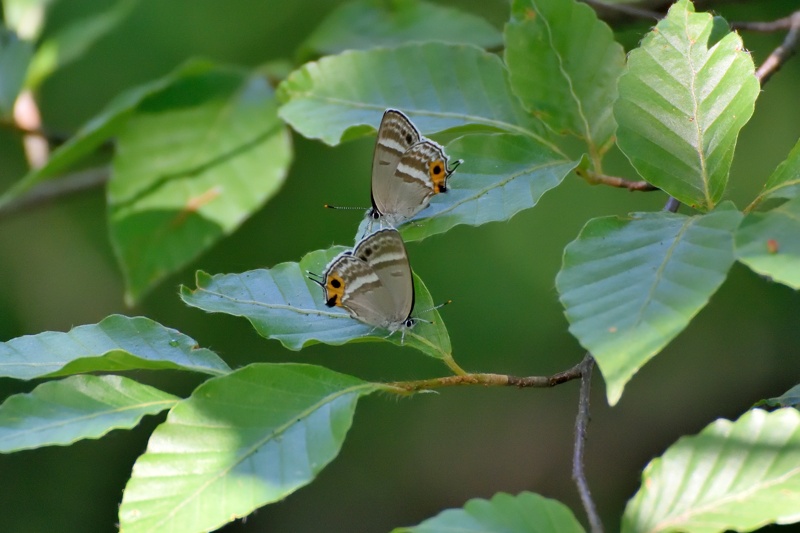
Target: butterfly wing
385,253
353,284
396,134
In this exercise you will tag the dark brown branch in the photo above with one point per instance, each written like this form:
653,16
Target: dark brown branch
50,190
613,181
581,425
779,56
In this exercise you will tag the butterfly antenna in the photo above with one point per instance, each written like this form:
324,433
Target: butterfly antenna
432,309
329,206
316,278
457,163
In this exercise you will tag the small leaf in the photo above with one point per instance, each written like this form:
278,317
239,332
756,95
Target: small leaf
116,343
630,285
769,243
98,130
439,86
504,513
564,65
365,24
684,98
785,181
502,174
15,56
283,304
790,398
71,42
194,161
239,442
731,476
75,408
25,17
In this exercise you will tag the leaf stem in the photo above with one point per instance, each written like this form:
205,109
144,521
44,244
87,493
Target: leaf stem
613,181
581,424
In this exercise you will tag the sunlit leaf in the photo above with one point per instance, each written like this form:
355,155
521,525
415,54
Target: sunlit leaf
564,65
629,285
367,24
72,41
283,304
116,343
239,442
194,161
98,130
440,86
77,407
688,90
502,174
769,243
731,476
15,56
25,17
504,513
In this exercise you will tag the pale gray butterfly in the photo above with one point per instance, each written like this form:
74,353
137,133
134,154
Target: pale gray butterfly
407,170
372,282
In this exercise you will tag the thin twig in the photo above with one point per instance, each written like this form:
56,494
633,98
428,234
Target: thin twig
766,27
50,190
581,424
488,380
672,205
51,136
614,181
779,56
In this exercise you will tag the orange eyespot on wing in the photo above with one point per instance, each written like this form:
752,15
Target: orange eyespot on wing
438,174
334,290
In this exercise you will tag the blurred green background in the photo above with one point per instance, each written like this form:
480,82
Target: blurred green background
404,460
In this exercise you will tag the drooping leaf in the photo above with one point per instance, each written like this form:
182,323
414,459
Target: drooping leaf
785,181
790,398
15,56
116,343
504,513
75,408
769,243
685,95
239,442
365,24
98,130
72,41
731,476
502,174
283,304
629,285
564,65
440,86
194,161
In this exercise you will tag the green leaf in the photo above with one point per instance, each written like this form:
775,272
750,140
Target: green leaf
283,304
71,42
502,174
116,343
75,408
790,398
15,56
504,513
769,243
440,86
368,24
731,476
682,101
785,181
25,17
98,130
194,161
239,442
564,65
629,285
